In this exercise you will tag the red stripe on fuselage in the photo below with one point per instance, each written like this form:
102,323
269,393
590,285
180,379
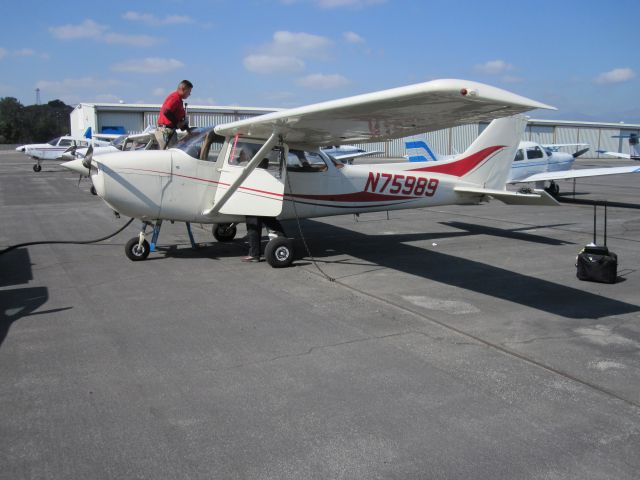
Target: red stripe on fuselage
463,166
352,197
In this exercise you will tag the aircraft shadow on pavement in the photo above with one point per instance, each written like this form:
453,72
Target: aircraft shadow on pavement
15,268
392,251
515,234
18,303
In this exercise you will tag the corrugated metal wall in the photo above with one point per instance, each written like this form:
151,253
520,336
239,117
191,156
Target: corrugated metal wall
445,142
131,121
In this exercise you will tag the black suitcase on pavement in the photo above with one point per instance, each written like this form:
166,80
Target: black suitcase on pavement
596,263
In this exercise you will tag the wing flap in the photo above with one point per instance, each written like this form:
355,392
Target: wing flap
387,114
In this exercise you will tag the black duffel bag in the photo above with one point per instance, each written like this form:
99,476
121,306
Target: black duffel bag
597,264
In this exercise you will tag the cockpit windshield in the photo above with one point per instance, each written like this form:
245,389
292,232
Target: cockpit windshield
118,141
201,143
54,142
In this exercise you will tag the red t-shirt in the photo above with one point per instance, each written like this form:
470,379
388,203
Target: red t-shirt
172,104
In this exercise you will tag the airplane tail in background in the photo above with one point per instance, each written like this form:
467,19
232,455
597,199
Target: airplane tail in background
419,151
487,162
634,147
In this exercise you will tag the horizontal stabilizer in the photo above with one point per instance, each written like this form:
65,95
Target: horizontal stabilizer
538,197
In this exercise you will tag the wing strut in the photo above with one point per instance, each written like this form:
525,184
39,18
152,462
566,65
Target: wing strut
251,166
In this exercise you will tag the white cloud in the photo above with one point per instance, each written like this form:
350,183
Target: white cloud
159,92
3,53
133,40
148,65
320,80
617,75
151,19
298,44
286,53
494,67
352,37
100,33
87,29
273,64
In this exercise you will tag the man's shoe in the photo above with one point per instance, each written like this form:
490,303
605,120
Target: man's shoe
249,258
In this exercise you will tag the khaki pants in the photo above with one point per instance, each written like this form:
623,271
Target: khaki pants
166,137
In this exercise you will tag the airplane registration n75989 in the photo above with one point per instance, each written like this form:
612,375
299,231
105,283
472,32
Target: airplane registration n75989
378,182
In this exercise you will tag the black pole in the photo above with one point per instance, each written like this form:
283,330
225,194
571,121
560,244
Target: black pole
594,223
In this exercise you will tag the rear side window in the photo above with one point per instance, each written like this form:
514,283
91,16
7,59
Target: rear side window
534,152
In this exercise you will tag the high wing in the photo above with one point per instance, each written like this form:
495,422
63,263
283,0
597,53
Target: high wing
616,154
387,114
584,172
554,147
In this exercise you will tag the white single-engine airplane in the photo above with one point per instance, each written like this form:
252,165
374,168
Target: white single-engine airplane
212,176
634,148
534,163
53,149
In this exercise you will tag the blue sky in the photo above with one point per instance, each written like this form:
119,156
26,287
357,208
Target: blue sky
577,55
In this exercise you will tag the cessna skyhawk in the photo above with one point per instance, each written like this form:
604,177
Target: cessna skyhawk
273,165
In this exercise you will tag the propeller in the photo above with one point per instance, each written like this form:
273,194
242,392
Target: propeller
86,162
580,152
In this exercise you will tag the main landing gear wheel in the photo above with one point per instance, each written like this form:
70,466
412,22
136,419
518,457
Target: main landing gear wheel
224,232
37,168
136,252
553,189
279,252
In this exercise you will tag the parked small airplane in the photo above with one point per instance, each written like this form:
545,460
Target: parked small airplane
634,148
537,163
211,176
144,140
53,149
348,153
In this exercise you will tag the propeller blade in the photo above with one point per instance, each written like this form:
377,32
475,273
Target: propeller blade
580,152
86,162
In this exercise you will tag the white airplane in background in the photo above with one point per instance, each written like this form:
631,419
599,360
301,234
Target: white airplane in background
634,148
348,153
53,149
536,163
121,143
211,176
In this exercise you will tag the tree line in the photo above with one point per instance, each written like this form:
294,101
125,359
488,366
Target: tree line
33,123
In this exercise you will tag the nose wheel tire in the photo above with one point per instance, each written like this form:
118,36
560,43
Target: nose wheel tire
224,232
37,168
93,190
279,252
136,252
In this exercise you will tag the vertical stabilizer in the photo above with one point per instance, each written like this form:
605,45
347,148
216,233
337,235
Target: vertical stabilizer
487,162
634,147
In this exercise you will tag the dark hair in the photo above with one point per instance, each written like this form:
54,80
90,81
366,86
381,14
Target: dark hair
186,84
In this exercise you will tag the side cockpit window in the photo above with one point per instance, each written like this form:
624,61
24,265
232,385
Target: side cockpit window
534,152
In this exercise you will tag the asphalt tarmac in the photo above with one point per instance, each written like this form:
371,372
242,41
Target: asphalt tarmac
445,343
